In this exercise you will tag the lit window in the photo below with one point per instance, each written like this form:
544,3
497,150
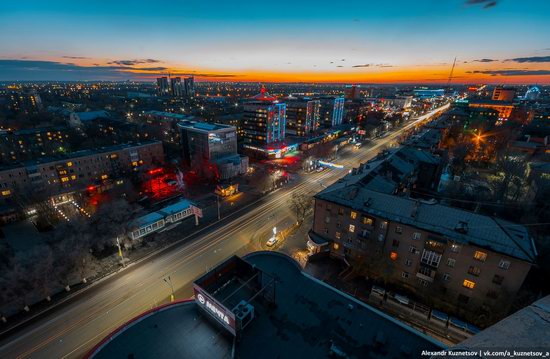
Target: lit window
367,221
504,264
468,284
353,215
69,164
351,228
337,235
335,246
64,179
103,177
393,255
455,248
480,256
6,192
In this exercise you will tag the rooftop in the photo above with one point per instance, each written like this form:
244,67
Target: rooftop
482,231
76,154
310,320
204,126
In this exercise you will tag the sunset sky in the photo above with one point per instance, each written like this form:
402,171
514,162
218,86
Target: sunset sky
500,41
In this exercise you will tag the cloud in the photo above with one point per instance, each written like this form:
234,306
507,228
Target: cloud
373,65
339,66
485,60
531,59
134,62
36,70
511,72
75,57
486,3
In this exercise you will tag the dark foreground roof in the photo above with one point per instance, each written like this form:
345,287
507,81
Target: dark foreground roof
310,318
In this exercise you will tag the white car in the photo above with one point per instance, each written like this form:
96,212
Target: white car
378,290
271,241
401,299
358,145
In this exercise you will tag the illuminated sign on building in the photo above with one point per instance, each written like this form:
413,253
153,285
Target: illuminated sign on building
220,313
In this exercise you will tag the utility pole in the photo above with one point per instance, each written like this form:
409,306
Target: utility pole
218,202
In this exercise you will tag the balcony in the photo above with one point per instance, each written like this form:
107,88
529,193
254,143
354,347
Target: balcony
426,274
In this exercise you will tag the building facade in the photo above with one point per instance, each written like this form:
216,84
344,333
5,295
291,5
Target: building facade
79,170
264,120
213,144
449,257
331,111
302,116
504,94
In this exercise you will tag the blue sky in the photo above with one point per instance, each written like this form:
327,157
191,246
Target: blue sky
290,40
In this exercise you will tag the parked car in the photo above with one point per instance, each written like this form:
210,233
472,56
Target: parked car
378,290
401,299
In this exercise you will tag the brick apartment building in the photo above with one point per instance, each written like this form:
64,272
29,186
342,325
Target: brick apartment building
450,257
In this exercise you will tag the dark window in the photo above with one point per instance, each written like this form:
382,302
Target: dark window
398,229
498,279
395,243
474,271
464,299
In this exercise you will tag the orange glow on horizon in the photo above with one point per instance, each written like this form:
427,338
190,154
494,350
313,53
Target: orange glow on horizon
465,73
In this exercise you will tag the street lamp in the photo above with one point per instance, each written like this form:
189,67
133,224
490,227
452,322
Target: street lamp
120,252
169,282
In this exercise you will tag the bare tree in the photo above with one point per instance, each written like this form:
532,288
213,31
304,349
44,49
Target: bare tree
300,204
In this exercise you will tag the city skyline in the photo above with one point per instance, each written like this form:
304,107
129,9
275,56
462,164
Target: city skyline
399,42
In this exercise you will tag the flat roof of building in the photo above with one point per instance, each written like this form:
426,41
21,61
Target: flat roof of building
174,331
310,320
204,126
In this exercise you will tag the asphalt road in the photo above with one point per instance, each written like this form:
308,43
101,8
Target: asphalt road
77,325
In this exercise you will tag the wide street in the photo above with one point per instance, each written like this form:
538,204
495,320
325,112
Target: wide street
71,329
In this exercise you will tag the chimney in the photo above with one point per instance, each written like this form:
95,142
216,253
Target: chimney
415,209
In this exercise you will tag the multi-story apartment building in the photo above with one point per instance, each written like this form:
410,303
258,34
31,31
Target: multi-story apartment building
163,86
79,170
264,121
331,111
448,256
302,115
25,144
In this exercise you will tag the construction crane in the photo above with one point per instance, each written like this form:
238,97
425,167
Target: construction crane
451,74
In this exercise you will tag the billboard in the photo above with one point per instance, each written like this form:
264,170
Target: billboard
217,311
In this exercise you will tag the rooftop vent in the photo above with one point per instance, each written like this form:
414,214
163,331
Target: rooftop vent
462,227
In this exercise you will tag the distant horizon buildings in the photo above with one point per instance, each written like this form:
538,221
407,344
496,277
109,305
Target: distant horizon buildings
175,87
